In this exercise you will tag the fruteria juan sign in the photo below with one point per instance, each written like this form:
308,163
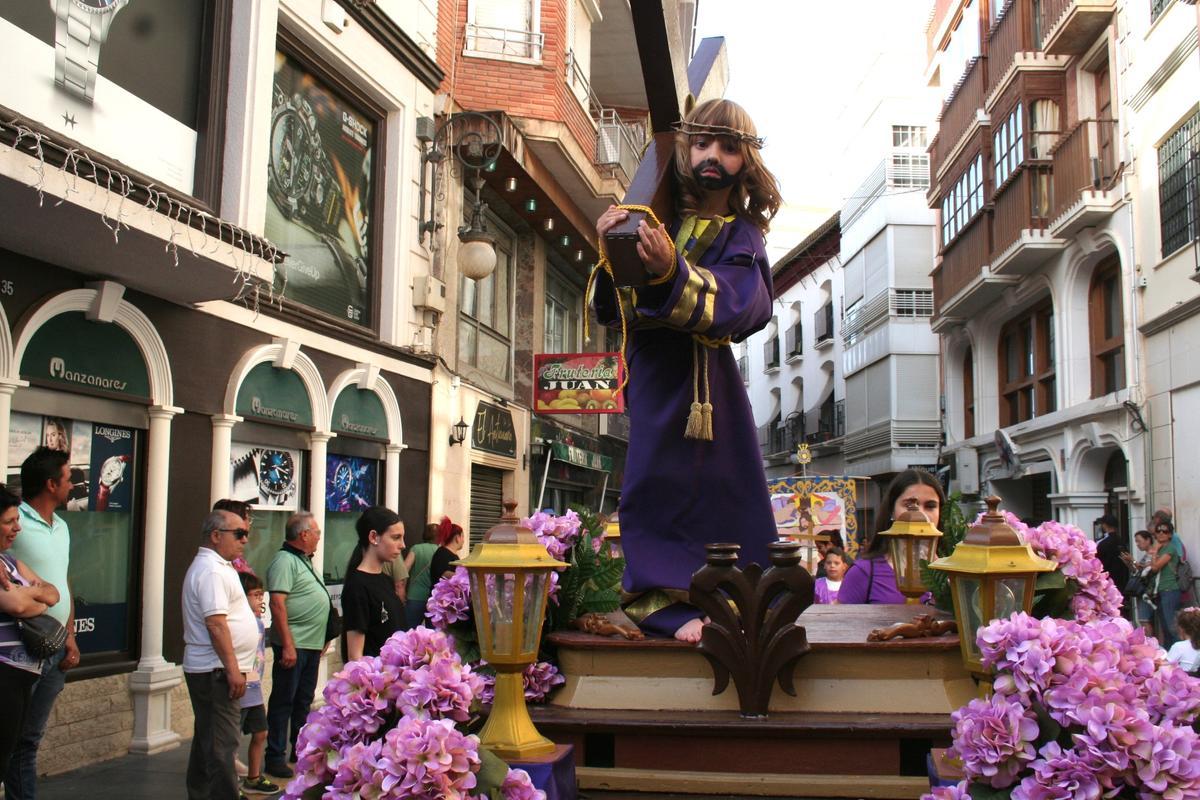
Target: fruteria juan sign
577,383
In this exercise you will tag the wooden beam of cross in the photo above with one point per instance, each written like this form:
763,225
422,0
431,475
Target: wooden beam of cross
666,95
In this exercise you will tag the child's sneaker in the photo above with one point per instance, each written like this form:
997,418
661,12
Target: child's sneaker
259,785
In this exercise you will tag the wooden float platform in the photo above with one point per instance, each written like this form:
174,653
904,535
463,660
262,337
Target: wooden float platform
642,716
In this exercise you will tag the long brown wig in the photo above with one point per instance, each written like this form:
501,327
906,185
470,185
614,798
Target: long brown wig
755,194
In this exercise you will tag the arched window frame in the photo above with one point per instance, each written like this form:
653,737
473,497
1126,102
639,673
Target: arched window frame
1026,359
1106,323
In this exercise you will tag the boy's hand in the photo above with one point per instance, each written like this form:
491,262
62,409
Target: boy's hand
655,248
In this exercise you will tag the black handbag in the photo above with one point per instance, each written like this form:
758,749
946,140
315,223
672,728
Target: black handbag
43,635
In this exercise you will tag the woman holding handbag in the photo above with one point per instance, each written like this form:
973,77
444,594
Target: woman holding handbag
23,596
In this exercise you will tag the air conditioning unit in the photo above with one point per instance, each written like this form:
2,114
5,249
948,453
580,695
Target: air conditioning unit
966,469
608,144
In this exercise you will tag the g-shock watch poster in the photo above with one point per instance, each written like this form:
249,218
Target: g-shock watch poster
319,180
121,77
351,484
265,477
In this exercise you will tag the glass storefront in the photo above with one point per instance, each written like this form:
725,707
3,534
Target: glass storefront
351,485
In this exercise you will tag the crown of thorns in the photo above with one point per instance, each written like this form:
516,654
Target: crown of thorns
694,128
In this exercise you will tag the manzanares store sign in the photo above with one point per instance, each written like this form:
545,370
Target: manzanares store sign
359,412
269,394
493,431
69,351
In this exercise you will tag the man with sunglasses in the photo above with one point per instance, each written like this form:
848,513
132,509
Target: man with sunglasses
220,641
1166,566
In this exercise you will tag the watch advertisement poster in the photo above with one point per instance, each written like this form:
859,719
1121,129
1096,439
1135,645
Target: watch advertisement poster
100,458
319,182
351,484
265,477
577,383
121,77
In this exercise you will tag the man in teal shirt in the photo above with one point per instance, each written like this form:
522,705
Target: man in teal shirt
299,613
45,545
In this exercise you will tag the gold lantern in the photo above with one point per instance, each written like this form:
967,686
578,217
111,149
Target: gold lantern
911,540
992,575
510,581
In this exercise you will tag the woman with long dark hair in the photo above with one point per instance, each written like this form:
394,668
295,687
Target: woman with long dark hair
872,580
370,607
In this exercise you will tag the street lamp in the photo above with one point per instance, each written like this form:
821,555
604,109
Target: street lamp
476,141
992,575
510,581
911,540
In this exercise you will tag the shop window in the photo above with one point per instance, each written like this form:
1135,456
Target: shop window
352,484
563,310
485,315
103,513
269,478
322,171
1106,322
968,384
1027,367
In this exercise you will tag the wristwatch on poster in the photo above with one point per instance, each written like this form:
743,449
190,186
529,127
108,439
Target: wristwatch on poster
301,181
276,476
80,29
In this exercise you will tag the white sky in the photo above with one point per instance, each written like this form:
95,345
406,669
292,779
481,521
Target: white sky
792,65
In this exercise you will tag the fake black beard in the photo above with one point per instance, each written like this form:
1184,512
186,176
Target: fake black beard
709,182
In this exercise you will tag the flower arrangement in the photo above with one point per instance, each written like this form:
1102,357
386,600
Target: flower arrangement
392,727
1082,709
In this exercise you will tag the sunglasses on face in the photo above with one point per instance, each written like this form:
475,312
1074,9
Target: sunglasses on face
241,533
1162,530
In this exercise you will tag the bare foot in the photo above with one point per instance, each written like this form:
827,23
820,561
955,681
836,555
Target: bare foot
690,631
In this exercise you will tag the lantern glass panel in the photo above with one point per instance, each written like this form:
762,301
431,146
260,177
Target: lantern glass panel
899,546
969,598
926,550
535,607
1010,596
500,600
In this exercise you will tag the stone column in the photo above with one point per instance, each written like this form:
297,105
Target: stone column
7,387
152,682
391,468
318,448
222,445
1079,508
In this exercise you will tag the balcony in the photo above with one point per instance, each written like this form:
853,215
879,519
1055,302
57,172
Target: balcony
823,326
959,114
772,438
963,283
1020,241
1070,27
1012,48
1085,166
743,363
771,354
831,422
618,143
794,429
482,40
794,341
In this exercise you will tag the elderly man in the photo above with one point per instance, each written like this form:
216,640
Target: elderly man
220,641
299,615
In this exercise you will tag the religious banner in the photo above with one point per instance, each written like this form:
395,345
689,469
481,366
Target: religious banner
807,505
577,383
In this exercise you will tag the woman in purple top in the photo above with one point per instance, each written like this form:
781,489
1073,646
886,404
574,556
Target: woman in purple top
872,580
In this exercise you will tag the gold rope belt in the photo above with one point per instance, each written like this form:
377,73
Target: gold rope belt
699,422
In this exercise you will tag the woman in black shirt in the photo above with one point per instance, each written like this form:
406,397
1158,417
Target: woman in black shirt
450,541
370,607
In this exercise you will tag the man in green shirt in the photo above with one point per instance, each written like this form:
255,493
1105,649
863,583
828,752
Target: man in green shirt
299,614
1166,566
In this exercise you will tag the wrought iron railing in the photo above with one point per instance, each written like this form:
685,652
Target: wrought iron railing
505,41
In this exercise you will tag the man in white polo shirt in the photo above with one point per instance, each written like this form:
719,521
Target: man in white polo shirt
220,641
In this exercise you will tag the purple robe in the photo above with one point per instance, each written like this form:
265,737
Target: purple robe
870,581
679,494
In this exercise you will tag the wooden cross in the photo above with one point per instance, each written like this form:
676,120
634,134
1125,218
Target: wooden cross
653,182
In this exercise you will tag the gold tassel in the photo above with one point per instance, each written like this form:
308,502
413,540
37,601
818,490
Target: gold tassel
706,411
695,424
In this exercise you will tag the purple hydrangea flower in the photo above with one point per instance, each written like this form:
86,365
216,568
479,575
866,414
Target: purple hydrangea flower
450,600
995,739
956,792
